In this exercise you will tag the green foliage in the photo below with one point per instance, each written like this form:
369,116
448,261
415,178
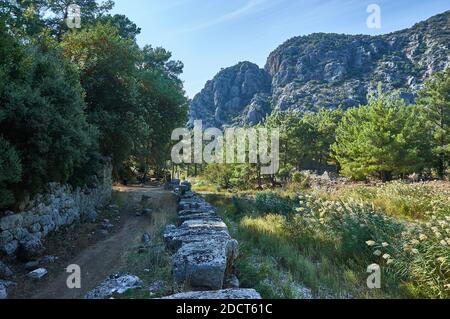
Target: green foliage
10,172
384,138
306,138
327,244
219,174
132,95
71,97
300,180
42,114
270,202
91,10
435,97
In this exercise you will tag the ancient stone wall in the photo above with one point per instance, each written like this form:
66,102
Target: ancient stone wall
21,234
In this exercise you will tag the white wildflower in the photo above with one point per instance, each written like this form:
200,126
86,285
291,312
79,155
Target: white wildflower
370,243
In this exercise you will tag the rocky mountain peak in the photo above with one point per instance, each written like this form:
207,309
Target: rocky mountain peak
229,94
323,70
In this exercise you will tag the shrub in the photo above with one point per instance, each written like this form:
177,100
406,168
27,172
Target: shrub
10,172
301,180
270,202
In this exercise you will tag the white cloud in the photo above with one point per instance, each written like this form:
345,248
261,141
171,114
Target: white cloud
249,7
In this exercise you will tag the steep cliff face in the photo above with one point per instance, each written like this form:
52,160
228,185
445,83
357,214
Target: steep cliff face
326,70
332,70
229,94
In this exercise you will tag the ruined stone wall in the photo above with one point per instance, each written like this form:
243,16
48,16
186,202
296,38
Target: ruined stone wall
22,233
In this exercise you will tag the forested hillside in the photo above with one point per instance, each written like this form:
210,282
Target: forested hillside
72,97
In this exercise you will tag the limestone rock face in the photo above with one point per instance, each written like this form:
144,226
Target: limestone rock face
228,94
326,71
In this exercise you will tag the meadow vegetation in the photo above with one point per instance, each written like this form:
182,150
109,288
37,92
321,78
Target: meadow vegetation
319,244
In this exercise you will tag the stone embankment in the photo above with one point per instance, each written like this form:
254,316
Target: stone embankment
203,251
21,234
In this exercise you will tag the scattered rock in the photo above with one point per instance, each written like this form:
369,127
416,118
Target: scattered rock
38,273
220,294
118,283
49,259
4,285
107,226
5,271
157,286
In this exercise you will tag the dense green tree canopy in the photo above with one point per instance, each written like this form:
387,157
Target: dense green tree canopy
384,138
435,97
69,97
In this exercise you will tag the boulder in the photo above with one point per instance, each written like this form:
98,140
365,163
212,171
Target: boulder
201,265
38,273
117,283
10,248
4,285
249,294
11,222
156,286
174,237
5,271
30,248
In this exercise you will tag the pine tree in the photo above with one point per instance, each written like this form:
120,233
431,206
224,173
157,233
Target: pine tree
384,138
435,97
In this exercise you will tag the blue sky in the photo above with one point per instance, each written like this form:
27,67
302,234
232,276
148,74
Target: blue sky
207,35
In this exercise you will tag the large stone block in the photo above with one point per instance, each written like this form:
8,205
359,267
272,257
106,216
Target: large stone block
200,265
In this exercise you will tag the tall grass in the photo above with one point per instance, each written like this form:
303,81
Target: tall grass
326,243
403,200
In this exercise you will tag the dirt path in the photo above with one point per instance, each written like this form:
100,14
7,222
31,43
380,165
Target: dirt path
105,257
